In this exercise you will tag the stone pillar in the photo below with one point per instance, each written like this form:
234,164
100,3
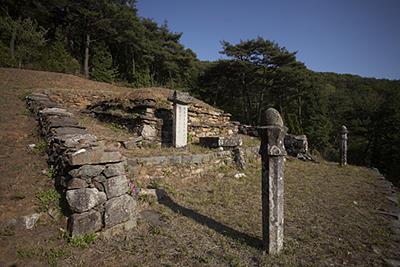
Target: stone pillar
343,145
180,118
272,153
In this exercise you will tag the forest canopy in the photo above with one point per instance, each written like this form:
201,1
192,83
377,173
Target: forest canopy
106,40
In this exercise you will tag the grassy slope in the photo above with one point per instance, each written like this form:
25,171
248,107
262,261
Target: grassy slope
330,212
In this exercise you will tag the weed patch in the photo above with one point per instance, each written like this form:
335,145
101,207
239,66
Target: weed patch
116,127
82,241
41,147
50,256
22,96
51,172
18,196
7,231
47,198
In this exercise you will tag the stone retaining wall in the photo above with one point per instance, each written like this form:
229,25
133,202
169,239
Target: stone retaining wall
185,166
89,175
152,121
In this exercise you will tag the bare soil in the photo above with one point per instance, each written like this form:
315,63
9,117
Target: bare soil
331,212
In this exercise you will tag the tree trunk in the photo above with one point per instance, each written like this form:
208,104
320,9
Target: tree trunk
299,110
246,96
86,60
260,105
133,62
12,42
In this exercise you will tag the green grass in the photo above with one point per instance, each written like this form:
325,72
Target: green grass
250,141
82,241
47,198
49,255
115,127
22,96
51,172
41,147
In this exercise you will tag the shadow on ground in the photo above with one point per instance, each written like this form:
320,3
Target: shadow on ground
165,200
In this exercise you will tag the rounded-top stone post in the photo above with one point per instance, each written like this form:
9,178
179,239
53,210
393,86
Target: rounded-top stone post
343,145
272,153
273,118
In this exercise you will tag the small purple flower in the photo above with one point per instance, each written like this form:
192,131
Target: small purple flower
134,190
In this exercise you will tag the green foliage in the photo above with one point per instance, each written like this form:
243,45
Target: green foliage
141,77
155,184
292,122
41,147
189,138
26,38
102,68
260,74
82,241
47,198
56,58
5,56
107,38
51,172
118,128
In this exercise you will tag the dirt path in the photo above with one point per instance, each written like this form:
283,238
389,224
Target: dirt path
20,167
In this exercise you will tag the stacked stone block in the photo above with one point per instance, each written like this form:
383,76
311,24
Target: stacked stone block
154,121
207,122
91,176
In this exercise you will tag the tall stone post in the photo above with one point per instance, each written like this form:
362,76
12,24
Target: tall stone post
272,153
343,145
180,118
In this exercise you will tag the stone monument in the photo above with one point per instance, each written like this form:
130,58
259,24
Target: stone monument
272,153
343,145
180,118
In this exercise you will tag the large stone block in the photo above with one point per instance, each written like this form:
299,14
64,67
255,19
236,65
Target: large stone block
94,156
296,144
118,210
56,121
76,183
87,172
182,98
116,186
85,223
114,169
84,199
78,140
99,182
68,130
148,131
55,111
217,141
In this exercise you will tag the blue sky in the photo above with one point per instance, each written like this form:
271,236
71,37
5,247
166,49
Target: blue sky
346,36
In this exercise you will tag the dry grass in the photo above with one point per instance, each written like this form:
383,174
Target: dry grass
77,92
330,220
